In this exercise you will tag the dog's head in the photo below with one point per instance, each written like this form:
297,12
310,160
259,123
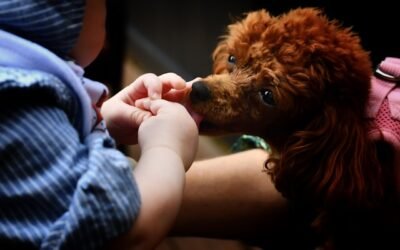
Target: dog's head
301,81
273,74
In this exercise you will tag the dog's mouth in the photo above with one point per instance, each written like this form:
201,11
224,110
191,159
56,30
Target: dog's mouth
198,118
205,126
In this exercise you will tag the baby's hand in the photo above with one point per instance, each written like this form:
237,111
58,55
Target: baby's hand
171,127
121,115
165,86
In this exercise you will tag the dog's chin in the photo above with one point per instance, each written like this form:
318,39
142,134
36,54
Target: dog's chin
206,127
209,128
212,129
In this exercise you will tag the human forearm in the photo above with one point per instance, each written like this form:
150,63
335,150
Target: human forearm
160,179
230,197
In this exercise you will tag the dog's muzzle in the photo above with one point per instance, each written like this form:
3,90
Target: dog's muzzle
200,92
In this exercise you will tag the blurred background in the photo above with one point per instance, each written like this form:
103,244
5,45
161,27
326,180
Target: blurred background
179,36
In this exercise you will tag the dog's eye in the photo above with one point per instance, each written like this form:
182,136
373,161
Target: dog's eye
268,97
232,59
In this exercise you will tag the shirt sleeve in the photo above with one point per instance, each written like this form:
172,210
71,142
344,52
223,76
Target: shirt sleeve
56,191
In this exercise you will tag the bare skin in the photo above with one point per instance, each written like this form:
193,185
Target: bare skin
230,197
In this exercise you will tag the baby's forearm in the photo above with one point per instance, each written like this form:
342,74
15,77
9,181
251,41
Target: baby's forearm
160,176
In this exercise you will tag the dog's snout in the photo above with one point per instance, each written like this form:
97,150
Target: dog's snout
200,92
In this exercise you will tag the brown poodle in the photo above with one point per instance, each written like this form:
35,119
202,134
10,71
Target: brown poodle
301,81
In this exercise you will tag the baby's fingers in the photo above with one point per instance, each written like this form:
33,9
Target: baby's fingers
172,81
147,85
133,115
175,88
156,106
190,83
152,86
143,103
179,95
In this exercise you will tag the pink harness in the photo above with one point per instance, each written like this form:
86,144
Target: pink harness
384,106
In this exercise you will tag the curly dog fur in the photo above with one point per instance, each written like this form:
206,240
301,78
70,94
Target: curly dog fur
302,81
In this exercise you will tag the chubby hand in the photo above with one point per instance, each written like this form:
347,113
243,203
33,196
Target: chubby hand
123,117
171,127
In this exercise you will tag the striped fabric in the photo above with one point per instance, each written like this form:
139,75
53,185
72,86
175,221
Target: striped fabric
55,192
54,24
63,185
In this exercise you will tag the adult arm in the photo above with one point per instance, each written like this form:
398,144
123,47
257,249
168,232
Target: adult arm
231,197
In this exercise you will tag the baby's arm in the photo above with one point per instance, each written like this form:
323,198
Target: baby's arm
167,137
168,142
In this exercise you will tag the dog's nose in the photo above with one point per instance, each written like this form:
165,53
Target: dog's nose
200,92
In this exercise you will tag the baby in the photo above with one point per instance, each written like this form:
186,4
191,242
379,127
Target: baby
63,184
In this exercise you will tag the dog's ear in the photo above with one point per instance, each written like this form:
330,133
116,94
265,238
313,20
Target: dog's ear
331,162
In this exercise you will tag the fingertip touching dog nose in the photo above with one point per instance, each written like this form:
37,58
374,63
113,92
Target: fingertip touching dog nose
200,92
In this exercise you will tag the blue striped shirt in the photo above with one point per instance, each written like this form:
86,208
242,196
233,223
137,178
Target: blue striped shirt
60,187
52,24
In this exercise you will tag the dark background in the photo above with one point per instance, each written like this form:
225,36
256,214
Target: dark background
180,36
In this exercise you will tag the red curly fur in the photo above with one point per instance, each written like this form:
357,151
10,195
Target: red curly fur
319,76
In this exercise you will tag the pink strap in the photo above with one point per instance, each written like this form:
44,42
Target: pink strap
384,84
391,66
